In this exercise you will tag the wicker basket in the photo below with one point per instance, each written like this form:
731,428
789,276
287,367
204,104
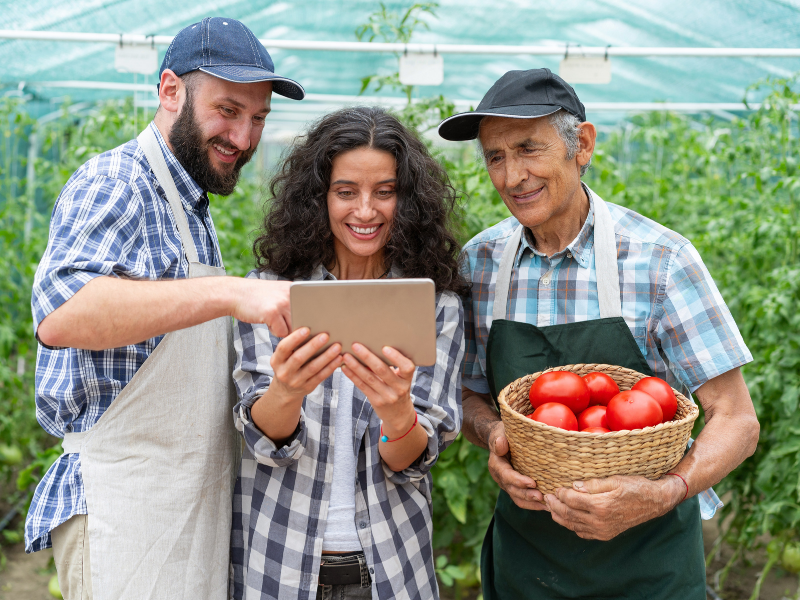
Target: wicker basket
555,457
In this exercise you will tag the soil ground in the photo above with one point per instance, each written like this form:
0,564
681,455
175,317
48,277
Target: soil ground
25,576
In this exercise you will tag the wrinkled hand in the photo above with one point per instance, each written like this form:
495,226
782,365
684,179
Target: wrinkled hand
601,509
260,301
521,489
388,388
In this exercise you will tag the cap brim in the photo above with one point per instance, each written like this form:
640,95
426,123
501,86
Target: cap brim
465,126
238,74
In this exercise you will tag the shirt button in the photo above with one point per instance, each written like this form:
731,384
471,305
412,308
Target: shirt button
569,254
371,571
546,281
362,525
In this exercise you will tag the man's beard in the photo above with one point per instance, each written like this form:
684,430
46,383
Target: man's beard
191,150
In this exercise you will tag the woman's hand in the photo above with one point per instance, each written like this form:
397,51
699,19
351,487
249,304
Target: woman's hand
388,389
296,374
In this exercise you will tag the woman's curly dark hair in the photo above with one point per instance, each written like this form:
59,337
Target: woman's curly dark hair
296,235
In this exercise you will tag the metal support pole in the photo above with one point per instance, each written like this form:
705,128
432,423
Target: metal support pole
373,47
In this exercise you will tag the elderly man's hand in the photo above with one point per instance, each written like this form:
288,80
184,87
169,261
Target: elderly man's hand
601,509
521,489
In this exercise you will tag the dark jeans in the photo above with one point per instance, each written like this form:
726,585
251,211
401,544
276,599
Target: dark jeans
343,592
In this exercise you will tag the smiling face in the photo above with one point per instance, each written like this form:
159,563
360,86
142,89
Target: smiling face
218,129
361,202
527,162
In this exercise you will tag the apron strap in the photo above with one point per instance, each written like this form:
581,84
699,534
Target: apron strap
605,261
73,441
605,258
149,145
504,275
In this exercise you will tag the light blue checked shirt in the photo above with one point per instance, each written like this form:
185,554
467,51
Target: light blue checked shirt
669,300
111,218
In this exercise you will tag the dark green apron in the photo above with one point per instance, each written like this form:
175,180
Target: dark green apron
526,555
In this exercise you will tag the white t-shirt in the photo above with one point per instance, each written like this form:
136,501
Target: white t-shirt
340,527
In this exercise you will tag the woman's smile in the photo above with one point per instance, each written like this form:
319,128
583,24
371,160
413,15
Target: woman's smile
364,232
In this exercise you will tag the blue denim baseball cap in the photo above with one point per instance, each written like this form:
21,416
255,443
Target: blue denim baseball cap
225,48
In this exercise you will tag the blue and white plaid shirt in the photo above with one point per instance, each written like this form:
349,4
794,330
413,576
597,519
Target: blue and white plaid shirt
282,494
111,218
669,300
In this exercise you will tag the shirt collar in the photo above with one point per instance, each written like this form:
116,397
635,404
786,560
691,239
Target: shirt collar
190,193
320,273
580,248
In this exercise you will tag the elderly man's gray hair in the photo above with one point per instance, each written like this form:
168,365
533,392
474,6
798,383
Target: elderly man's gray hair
568,128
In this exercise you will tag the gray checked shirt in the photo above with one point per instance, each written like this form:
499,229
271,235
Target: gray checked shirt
282,494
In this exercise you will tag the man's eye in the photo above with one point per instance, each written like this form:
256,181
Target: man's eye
259,120
226,110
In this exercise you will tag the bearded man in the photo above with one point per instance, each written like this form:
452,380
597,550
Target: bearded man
133,311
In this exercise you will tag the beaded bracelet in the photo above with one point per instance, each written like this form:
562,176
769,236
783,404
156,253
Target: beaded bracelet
385,439
686,495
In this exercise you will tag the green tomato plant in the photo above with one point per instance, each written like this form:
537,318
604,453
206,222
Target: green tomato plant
730,184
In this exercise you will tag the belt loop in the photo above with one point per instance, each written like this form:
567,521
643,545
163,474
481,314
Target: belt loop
365,579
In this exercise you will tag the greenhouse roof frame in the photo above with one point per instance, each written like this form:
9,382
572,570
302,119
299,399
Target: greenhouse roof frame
380,47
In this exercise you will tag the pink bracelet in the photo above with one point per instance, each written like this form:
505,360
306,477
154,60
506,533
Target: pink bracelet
385,439
684,483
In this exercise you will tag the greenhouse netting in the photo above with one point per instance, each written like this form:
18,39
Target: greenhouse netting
677,145
47,71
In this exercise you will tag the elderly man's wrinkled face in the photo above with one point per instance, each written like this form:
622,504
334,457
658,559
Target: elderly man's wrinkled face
527,162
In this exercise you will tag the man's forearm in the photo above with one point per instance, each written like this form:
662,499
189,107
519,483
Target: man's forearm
729,436
109,312
479,417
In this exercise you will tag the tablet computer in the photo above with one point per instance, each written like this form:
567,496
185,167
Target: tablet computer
400,313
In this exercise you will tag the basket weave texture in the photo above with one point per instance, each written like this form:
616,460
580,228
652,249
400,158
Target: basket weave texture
554,457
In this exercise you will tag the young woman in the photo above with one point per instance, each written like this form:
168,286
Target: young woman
333,499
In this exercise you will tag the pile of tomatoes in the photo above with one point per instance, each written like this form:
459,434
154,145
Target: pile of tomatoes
594,404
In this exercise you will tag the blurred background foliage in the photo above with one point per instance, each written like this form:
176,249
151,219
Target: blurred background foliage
729,184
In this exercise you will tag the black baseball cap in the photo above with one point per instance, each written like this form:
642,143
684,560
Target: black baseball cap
517,95
225,48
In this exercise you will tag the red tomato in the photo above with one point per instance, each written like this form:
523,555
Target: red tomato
632,410
560,386
557,415
594,416
601,388
661,393
596,430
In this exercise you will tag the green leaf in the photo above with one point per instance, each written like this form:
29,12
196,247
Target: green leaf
12,536
789,399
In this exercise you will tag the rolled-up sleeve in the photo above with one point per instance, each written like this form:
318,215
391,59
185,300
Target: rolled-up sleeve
252,375
436,390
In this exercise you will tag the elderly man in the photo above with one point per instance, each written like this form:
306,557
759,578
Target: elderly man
139,504
570,279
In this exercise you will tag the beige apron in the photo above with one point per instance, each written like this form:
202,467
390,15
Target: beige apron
159,465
